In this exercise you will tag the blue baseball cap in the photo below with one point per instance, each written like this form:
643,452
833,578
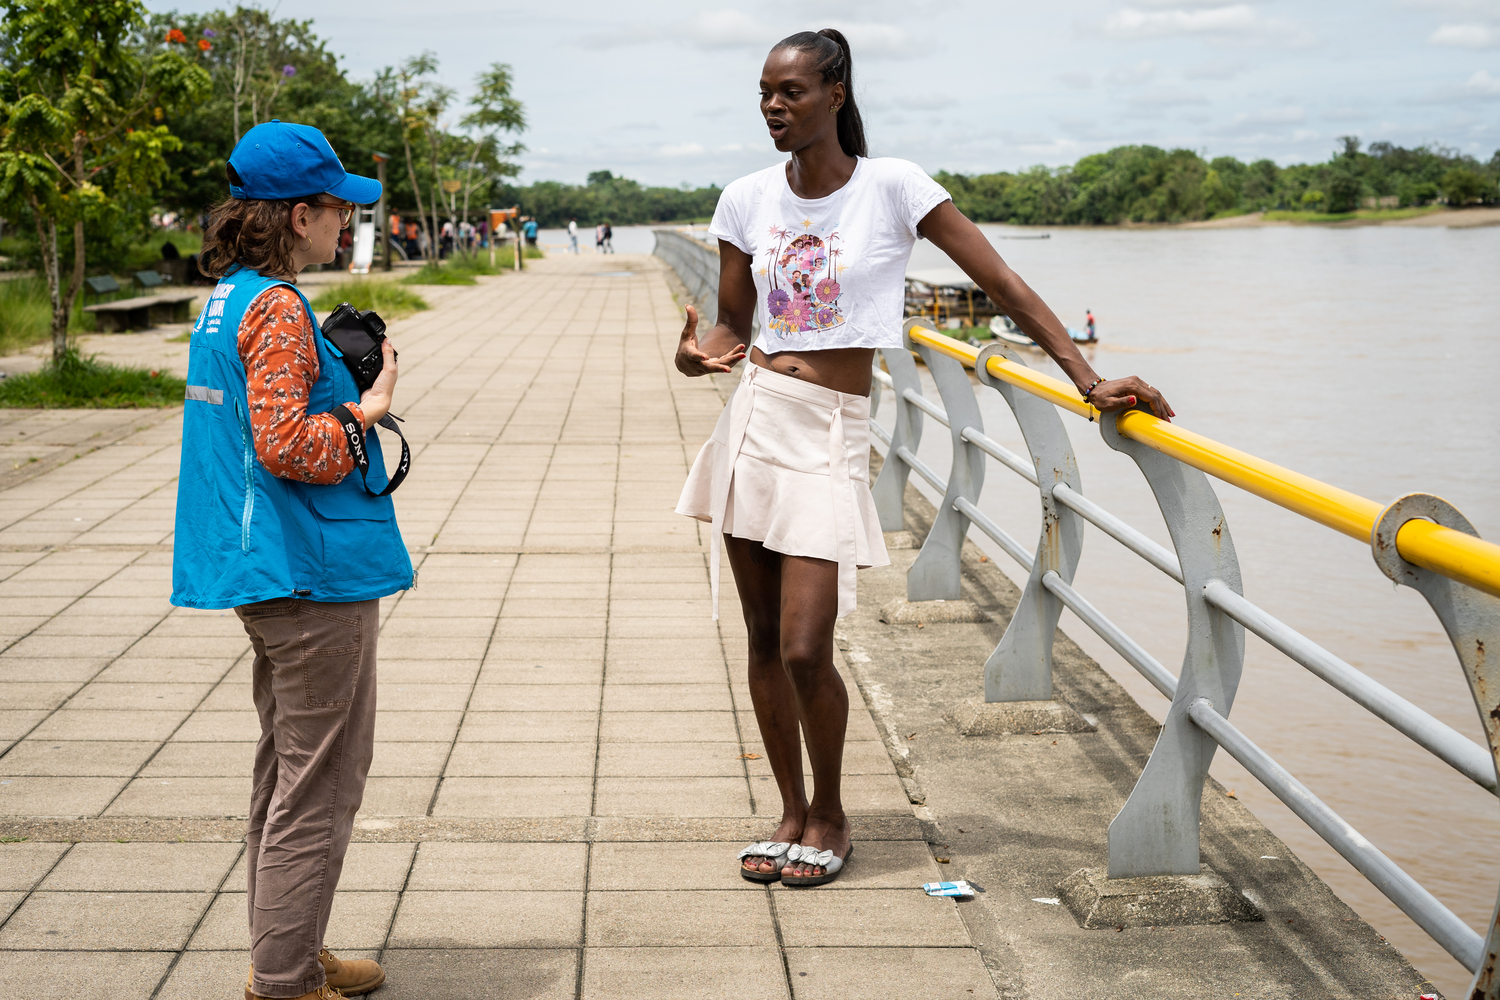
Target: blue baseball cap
284,160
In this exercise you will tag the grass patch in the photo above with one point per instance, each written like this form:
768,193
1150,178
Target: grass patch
436,274
1362,215
26,314
79,382
387,298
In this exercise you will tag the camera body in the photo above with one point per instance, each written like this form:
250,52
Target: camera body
358,336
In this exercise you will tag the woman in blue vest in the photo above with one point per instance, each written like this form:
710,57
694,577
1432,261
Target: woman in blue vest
271,523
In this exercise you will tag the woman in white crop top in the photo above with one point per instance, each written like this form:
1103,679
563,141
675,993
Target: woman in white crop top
816,249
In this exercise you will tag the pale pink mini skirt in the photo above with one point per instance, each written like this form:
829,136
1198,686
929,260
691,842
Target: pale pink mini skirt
788,465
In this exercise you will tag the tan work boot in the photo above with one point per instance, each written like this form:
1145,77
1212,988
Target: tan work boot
345,979
321,993
353,977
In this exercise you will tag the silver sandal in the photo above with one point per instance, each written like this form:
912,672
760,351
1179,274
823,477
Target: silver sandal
777,851
812,857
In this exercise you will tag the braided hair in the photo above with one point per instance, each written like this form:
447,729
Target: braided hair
831,59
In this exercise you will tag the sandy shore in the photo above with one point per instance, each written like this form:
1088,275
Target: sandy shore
1456,218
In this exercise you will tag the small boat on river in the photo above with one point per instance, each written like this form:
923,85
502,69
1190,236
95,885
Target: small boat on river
1004,329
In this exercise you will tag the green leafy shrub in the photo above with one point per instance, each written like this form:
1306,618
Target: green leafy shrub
433,273
78,382
387,298
1418,193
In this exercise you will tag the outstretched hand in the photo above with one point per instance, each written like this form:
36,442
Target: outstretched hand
1124,393
692,361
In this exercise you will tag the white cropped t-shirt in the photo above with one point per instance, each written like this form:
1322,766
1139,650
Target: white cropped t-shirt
829,272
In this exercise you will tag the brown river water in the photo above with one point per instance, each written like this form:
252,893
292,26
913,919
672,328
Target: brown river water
1363,357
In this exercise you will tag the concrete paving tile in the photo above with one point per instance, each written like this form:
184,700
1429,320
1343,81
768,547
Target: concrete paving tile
488,919
8,902
697,670
137,669
427,671
139,697
447,607
517,606
219,727
200,974
416,727
548,628
747,973
529,727
74,646
198,647
712,697
587,672
51,669
435,648
647,760
412,626
541,650
861,757
869,973
668,727
522,760
653,628
187,796
492,797
52,975
702,918
142,867
446,866
423,697
386,796
672,797
99,921
25,694
72,624
358,922
870,917
369,866
533,974
15,723
57,796
672,866
24,864
96,724
75,758
201,760
408,760
886,864
527,697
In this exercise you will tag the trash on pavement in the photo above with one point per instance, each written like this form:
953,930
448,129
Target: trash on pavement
959,888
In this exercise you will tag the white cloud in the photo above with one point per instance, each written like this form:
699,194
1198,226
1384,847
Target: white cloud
1237,24
1481,84
1266,122
924,102
682,149
734,29
1141,72
728,29
1219,69
1076,79
1479,87
1467,36
1161,98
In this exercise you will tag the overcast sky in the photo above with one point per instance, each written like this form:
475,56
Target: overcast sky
664,91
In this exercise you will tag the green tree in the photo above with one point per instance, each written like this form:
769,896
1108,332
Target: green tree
496,110
80,106
1463,185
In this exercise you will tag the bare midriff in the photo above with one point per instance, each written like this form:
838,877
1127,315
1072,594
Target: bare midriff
844,369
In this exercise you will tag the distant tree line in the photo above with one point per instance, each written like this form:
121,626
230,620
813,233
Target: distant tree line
1148,184
607,198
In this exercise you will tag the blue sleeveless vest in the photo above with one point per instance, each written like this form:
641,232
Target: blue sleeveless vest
244,535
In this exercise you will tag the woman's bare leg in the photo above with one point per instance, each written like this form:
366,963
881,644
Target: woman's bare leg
809,608
757,576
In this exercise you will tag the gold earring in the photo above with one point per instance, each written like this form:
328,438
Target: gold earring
833,111
309,244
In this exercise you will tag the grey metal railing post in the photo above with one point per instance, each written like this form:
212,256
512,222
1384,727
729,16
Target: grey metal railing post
890,486
935,575
1156,832
1472,620
1020,668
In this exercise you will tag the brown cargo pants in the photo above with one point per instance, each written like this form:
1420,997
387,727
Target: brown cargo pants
314,688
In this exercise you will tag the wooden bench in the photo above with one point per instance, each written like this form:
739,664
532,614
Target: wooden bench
143,311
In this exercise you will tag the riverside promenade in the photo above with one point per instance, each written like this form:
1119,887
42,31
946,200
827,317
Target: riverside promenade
566,759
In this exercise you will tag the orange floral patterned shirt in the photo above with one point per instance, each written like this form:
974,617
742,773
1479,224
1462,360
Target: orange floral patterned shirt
281,359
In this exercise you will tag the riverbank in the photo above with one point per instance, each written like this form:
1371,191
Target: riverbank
1451,218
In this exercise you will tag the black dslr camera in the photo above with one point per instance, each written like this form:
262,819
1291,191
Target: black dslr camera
357,335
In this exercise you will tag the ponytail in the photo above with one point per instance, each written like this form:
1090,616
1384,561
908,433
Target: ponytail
830,51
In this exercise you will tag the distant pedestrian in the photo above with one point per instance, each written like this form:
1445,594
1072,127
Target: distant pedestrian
446,245
609,237
530,230
573,235
785,479
599,238
413,241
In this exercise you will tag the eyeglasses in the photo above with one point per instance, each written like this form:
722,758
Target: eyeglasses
346,210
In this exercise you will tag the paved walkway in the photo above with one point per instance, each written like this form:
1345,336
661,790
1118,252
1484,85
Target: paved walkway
566,761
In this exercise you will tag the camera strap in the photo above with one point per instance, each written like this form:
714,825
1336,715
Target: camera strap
354,431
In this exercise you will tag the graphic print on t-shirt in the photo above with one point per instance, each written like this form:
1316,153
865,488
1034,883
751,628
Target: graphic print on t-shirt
804,277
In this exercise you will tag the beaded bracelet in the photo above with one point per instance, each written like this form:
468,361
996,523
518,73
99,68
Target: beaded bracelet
1092,386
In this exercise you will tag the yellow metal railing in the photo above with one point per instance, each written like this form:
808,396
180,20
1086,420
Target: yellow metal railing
1469,560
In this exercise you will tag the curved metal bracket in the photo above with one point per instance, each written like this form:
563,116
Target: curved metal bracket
1156,831
935,575
1472,620
1020,668
890,486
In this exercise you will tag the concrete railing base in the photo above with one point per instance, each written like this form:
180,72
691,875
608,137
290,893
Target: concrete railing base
1098,901
904,612
975,717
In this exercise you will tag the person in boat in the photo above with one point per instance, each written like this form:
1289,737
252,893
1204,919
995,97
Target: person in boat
1089,322
784,480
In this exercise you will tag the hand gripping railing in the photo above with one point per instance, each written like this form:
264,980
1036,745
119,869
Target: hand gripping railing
1419,541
